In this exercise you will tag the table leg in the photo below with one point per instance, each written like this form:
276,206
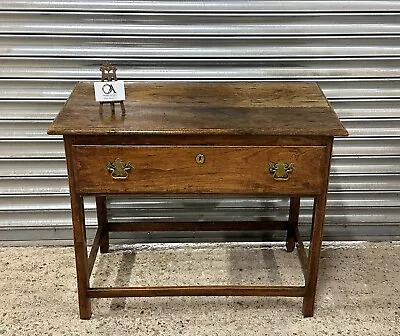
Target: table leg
293,222
103,223
314,255
81,256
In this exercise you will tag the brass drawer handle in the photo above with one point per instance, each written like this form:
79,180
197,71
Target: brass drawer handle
280,170
200,158
119,169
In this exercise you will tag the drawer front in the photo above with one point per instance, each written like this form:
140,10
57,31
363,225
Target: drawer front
199,169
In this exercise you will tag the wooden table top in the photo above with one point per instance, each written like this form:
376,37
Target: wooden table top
243,108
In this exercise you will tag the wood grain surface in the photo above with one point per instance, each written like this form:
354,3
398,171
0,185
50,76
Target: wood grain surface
173,169
203,108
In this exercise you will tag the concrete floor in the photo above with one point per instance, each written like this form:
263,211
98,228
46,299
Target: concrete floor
358,291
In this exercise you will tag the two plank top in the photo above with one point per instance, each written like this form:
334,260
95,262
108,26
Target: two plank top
242,108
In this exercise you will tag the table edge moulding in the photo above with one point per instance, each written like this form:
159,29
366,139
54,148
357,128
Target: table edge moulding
199,138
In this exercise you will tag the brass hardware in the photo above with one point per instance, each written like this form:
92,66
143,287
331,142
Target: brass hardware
200,158
280,170
119,169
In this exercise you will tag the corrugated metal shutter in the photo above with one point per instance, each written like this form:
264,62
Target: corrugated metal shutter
352,48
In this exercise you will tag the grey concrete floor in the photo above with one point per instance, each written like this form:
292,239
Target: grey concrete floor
358,291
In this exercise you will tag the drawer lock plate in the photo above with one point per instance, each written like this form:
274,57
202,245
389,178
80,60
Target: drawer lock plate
200,158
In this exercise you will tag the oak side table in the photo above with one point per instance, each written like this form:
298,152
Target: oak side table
228,138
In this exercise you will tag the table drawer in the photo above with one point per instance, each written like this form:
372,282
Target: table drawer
199,169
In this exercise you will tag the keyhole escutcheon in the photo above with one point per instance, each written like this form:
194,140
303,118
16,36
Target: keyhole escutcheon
200,158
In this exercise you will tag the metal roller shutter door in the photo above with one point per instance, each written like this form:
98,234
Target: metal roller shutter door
352,48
